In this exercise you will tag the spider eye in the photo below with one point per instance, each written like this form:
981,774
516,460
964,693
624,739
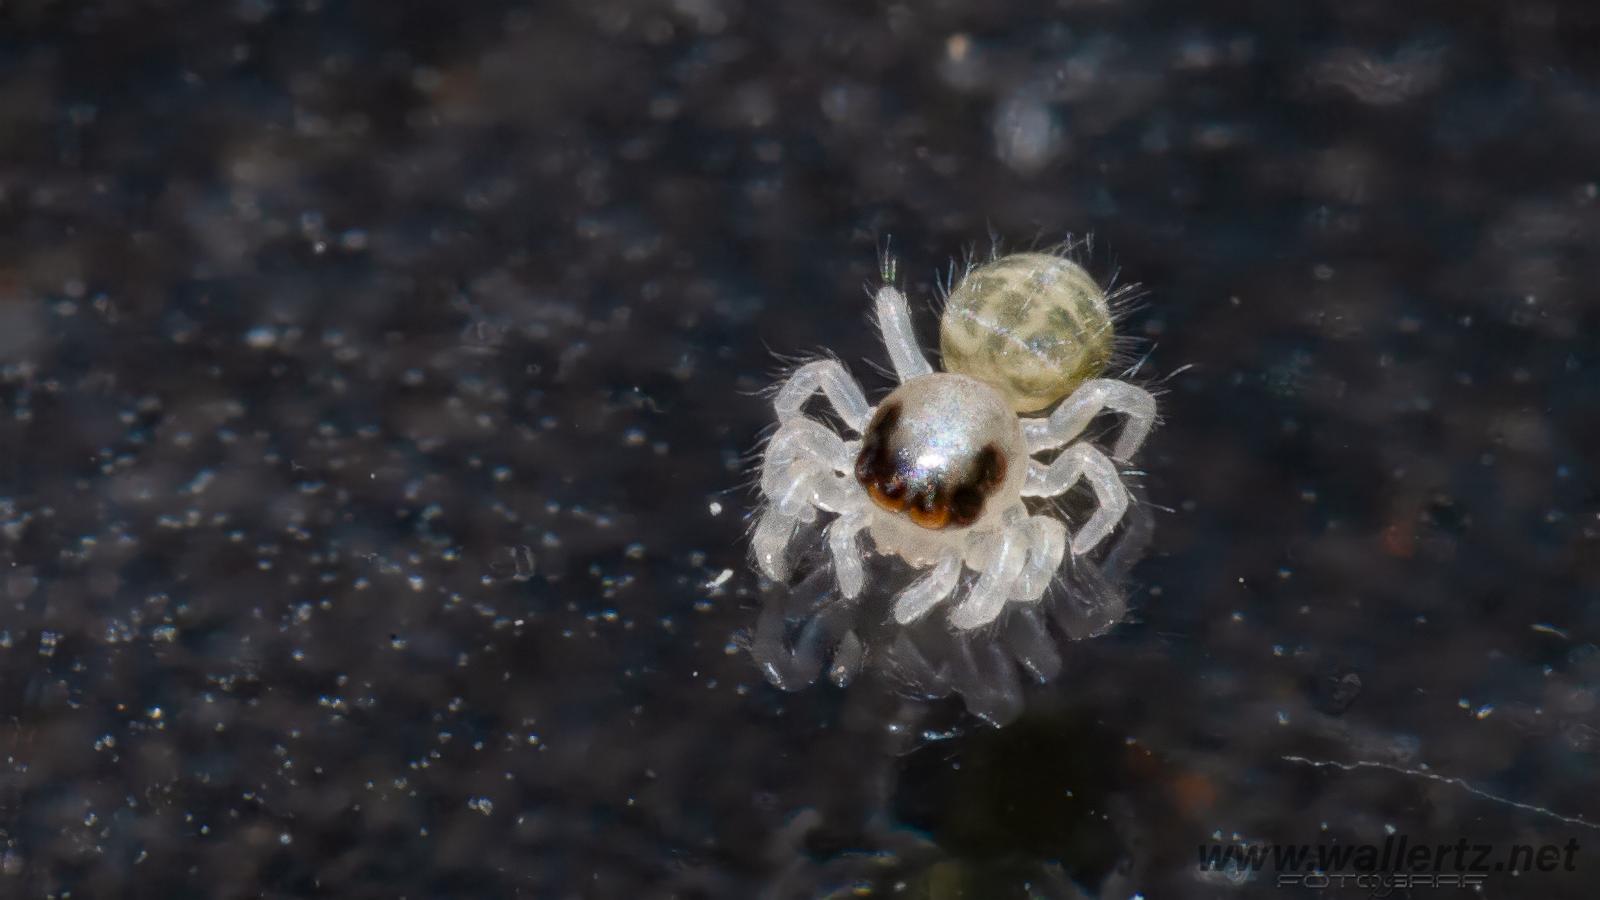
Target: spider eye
989,469
929,512
966,505
875,464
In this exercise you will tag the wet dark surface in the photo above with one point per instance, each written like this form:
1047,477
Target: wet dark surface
370,374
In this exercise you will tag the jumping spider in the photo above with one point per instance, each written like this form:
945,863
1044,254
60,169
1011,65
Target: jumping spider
939,470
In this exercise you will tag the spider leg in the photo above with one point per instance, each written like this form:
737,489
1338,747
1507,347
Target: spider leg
1048,542
830,377
1086,462
802,441
847,556
899,338
798,499
1078,410
926,592
800,475
997,581
770,543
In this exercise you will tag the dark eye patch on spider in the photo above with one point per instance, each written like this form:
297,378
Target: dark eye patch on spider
933,490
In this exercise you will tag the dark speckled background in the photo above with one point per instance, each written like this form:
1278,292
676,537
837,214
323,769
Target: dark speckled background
368,372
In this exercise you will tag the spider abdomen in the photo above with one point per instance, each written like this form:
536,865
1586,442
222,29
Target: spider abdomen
1033,325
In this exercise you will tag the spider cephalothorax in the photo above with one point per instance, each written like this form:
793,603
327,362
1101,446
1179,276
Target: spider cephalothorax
942,464
939,449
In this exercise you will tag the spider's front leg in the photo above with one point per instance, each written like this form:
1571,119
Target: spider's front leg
770,543
800,472
830,377
849,565
796,468
1078,410
821,489
1086,462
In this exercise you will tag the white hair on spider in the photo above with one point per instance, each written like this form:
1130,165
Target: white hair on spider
939,471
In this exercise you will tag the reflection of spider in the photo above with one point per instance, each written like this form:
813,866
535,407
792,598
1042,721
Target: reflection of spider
942,465
802,632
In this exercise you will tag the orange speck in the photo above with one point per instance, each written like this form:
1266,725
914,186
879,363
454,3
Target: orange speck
1194,793
1400,539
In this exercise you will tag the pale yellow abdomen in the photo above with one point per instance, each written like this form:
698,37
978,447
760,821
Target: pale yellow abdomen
1032,325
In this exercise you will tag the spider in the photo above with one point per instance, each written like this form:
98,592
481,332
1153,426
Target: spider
939,469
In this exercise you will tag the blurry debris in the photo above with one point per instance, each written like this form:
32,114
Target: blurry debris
1371,78
1026,134
1583,738
1300,376
1400,537
517,563
962,66
1334,692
